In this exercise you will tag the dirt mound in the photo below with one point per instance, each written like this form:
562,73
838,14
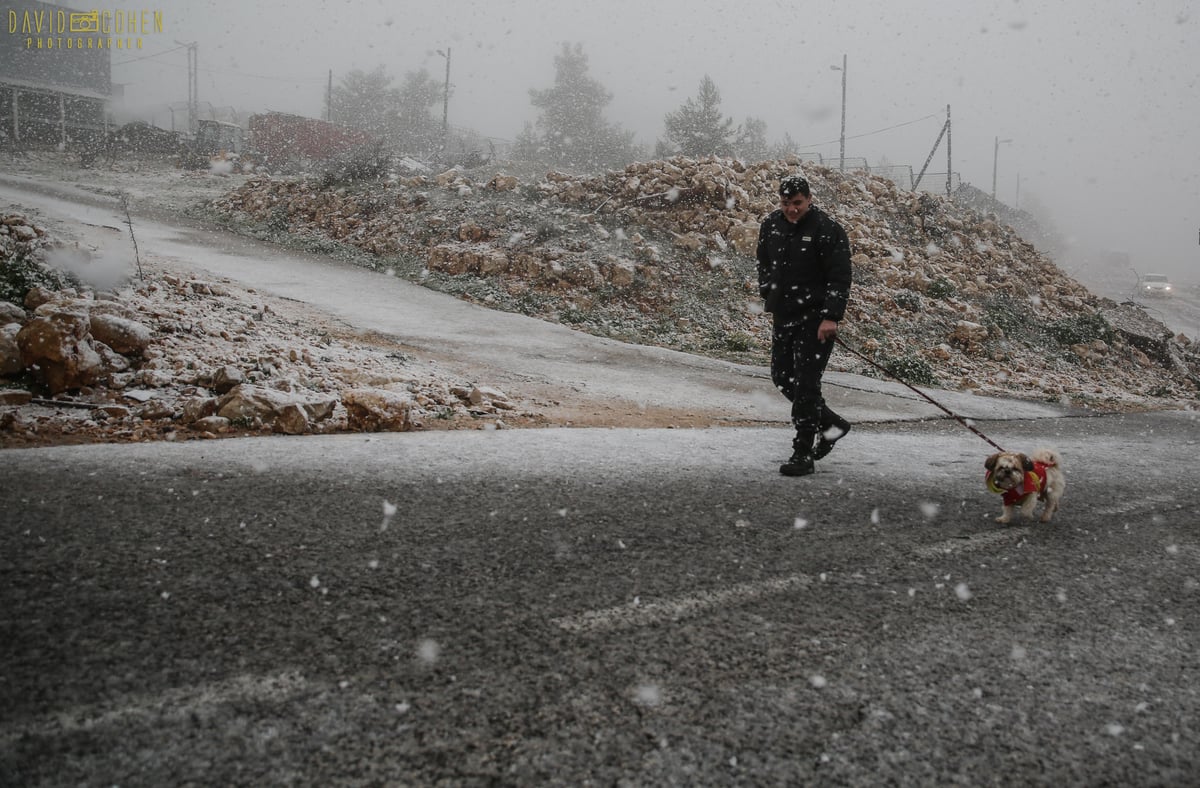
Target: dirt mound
662,253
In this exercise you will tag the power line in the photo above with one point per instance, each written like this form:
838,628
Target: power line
263,76
290,80
871,133
147,57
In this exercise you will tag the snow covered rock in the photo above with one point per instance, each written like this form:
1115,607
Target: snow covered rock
56,349
127,337
290,412
378,410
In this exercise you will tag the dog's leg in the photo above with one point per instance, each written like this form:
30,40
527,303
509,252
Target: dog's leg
1049,509
1006,515
1028,505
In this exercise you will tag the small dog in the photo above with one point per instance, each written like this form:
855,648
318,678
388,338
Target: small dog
1025,480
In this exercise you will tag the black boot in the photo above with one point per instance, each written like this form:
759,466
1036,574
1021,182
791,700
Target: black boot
801,461
830,435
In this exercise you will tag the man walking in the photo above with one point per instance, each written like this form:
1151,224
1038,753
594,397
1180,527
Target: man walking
804,280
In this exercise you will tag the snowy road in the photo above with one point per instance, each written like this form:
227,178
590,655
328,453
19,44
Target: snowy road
567,606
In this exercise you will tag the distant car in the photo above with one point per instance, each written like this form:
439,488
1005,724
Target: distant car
1155,285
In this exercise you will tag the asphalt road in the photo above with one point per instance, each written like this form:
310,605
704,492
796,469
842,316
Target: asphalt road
601,607
594,606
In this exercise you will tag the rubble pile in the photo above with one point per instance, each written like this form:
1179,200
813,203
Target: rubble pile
178,357
662,253
658,253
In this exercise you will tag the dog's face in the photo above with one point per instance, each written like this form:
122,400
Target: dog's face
1008,469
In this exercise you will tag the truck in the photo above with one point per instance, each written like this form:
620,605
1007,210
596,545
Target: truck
278,138
273,139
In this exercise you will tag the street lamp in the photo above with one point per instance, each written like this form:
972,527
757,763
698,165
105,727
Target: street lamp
446,98
842,68
995,159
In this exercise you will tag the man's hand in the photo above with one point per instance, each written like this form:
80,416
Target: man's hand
827,330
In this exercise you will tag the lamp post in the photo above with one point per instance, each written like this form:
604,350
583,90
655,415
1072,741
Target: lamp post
446,98
842,68
995,160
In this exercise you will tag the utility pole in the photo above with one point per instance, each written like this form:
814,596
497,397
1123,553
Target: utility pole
446,99
949,160
842,165
193,85
329,98
995,159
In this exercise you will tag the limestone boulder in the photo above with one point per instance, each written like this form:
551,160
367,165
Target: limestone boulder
56,348
127,337
378,410
11,313
10,352
292,413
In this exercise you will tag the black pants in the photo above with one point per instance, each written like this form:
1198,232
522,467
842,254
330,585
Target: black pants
798,361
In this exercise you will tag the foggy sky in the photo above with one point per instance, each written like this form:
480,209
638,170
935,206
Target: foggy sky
1099,97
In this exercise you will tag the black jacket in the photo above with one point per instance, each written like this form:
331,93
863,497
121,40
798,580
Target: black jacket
804,268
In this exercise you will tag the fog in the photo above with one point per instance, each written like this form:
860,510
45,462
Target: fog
1097,97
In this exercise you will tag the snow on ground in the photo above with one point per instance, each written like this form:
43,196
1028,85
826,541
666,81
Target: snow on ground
203,326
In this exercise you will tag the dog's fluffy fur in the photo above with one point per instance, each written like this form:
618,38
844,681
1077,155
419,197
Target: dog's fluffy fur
1006,472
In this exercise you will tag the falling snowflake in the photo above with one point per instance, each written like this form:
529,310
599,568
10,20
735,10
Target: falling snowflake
389,511
315,582
962,592
1114,729
818,682
799,523
874,517
647,695
930,509
428,651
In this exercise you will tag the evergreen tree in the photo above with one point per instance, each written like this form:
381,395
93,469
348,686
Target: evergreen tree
697,128
783,148
418,130
571,130
366,101
751,143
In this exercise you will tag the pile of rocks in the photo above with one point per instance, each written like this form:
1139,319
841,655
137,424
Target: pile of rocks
178,356
662,253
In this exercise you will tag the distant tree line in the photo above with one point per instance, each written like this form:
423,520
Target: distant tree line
570,131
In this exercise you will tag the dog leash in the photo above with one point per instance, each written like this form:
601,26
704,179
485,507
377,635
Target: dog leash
928,398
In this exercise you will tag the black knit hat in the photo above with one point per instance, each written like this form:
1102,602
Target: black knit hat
791,185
